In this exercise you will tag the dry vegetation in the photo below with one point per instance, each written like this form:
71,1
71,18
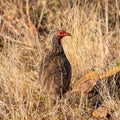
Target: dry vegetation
26,28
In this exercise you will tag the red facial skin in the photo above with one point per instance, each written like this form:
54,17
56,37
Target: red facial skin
63,33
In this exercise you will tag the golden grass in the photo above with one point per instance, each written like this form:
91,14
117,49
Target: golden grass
26,29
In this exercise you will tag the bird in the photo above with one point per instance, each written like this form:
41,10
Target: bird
55,69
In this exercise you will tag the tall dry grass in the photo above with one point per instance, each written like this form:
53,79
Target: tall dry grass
26,29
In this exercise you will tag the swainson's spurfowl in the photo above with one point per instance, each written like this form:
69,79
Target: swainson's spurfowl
55,69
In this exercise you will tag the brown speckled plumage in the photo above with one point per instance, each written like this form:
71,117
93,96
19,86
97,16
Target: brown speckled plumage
55,69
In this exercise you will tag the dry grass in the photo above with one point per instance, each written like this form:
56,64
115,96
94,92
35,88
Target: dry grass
26,28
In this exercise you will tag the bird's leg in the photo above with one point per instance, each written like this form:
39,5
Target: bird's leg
57,100
68,96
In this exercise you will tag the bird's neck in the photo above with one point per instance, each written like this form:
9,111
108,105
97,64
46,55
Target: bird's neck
57,47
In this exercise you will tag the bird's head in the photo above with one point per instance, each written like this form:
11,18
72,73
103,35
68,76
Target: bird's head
62,33
59,34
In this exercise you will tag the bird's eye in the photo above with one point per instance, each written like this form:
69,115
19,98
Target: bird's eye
61,32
